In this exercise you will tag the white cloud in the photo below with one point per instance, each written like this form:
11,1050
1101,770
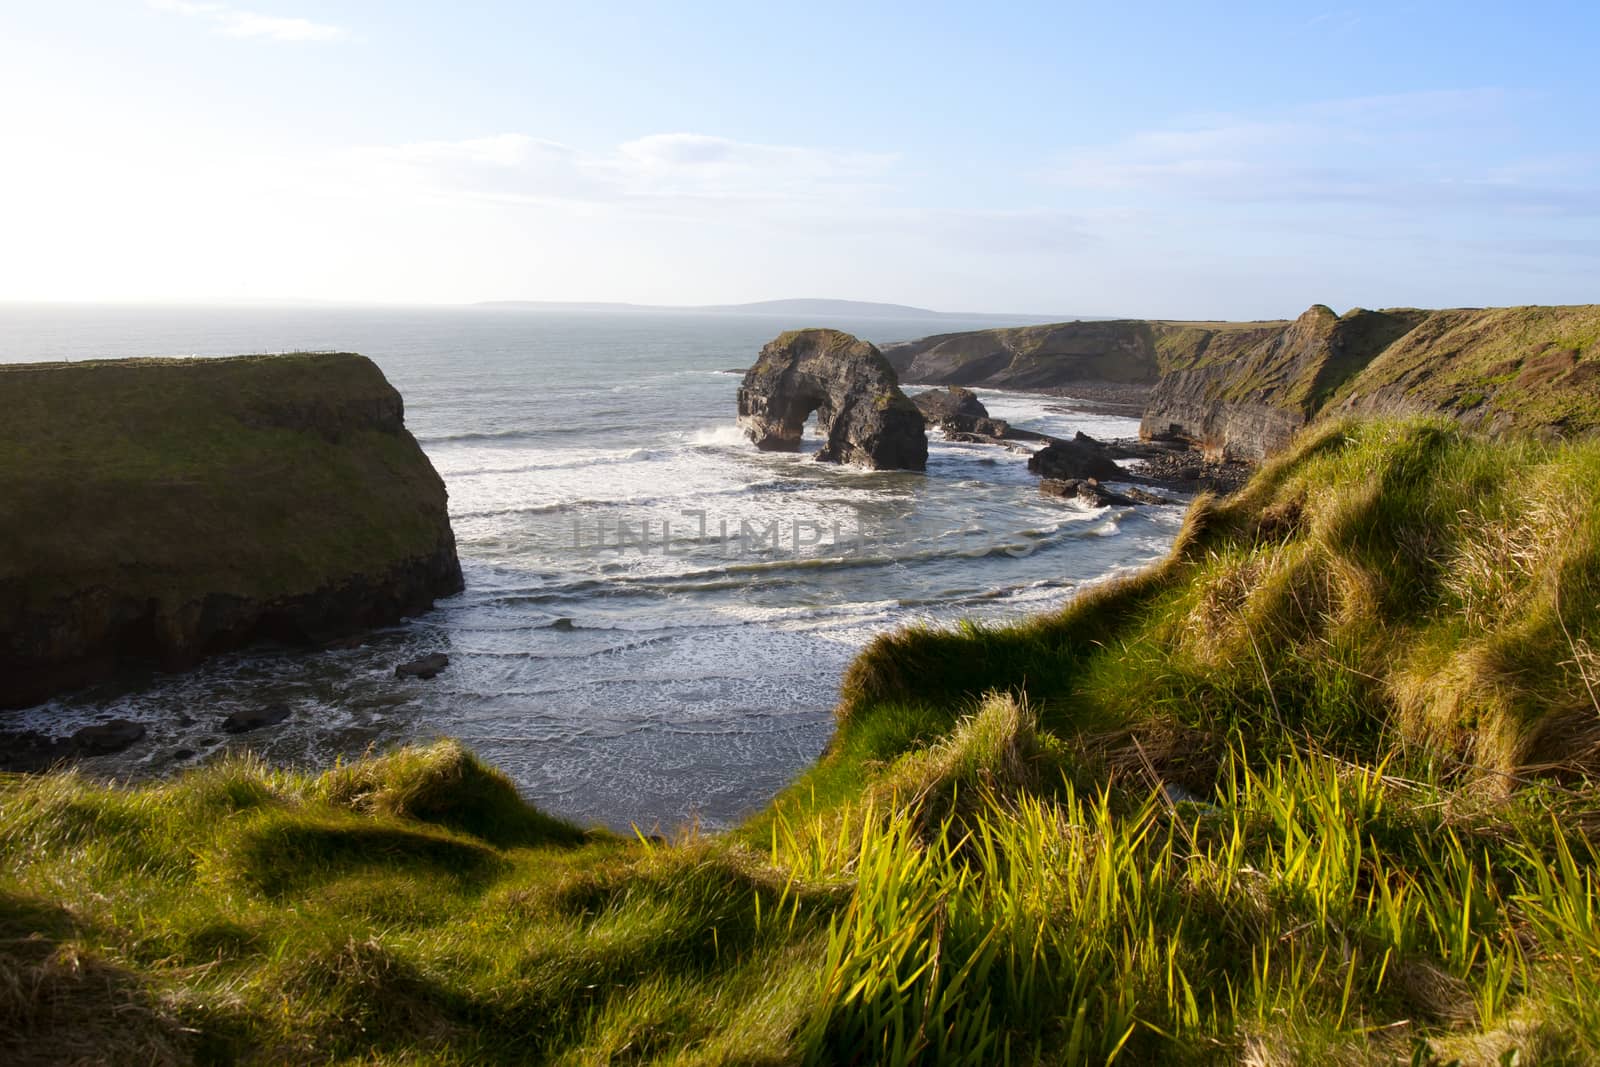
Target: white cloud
231,22
689,164
674,171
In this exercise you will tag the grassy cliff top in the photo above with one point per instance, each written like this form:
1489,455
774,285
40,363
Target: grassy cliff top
1499,368
1317,789
253,475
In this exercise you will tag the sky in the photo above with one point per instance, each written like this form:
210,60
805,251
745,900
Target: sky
1195,159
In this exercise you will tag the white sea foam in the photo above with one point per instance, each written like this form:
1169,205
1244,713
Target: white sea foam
727,435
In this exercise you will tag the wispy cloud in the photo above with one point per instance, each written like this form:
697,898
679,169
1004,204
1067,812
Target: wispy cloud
1341,20
233,22
661,170
1416,151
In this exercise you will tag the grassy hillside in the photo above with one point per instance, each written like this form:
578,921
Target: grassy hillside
1317,789
1495,368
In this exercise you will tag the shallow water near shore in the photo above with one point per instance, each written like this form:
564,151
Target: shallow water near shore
656,615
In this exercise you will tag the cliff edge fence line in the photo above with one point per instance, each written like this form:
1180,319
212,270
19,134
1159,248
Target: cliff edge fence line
163,510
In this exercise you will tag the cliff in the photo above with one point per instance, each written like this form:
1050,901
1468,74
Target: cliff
1243,390
1123,351
1526,370
1247,400
166,510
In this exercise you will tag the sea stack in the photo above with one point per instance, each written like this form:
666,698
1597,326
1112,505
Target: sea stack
165,510
864,417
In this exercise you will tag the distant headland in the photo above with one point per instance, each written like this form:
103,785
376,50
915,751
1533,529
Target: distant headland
861,309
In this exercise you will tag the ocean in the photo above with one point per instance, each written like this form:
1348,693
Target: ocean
657,615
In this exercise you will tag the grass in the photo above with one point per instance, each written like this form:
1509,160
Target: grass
163,510
1526,368
1318,788
127,470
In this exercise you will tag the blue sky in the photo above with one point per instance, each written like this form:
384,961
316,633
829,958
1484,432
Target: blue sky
1183,160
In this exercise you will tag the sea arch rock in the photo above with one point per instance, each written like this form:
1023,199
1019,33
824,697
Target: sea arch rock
864,417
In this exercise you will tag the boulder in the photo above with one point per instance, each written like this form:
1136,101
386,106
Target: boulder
254,718
960,414
1091,492
107,737
1072,460
937,405
1087,490
424,668
1144,496
30,750
863,416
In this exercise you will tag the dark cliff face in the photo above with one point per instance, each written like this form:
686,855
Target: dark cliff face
166,510
864,417
1248,398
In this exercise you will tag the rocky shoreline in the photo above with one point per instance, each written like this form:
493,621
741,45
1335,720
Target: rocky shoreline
1103,398
1080,467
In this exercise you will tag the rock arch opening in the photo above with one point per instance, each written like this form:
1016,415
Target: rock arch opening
861,415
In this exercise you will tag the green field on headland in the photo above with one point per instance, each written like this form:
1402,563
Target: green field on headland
1316,789
164,510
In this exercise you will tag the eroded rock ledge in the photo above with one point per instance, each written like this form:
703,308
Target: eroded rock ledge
166,510
863,416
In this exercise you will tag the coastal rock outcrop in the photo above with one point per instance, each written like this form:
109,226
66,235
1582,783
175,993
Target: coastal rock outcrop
953,401
248,719
1072,461
426,668
959,411
107,737
863,416
1091,492
161,511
